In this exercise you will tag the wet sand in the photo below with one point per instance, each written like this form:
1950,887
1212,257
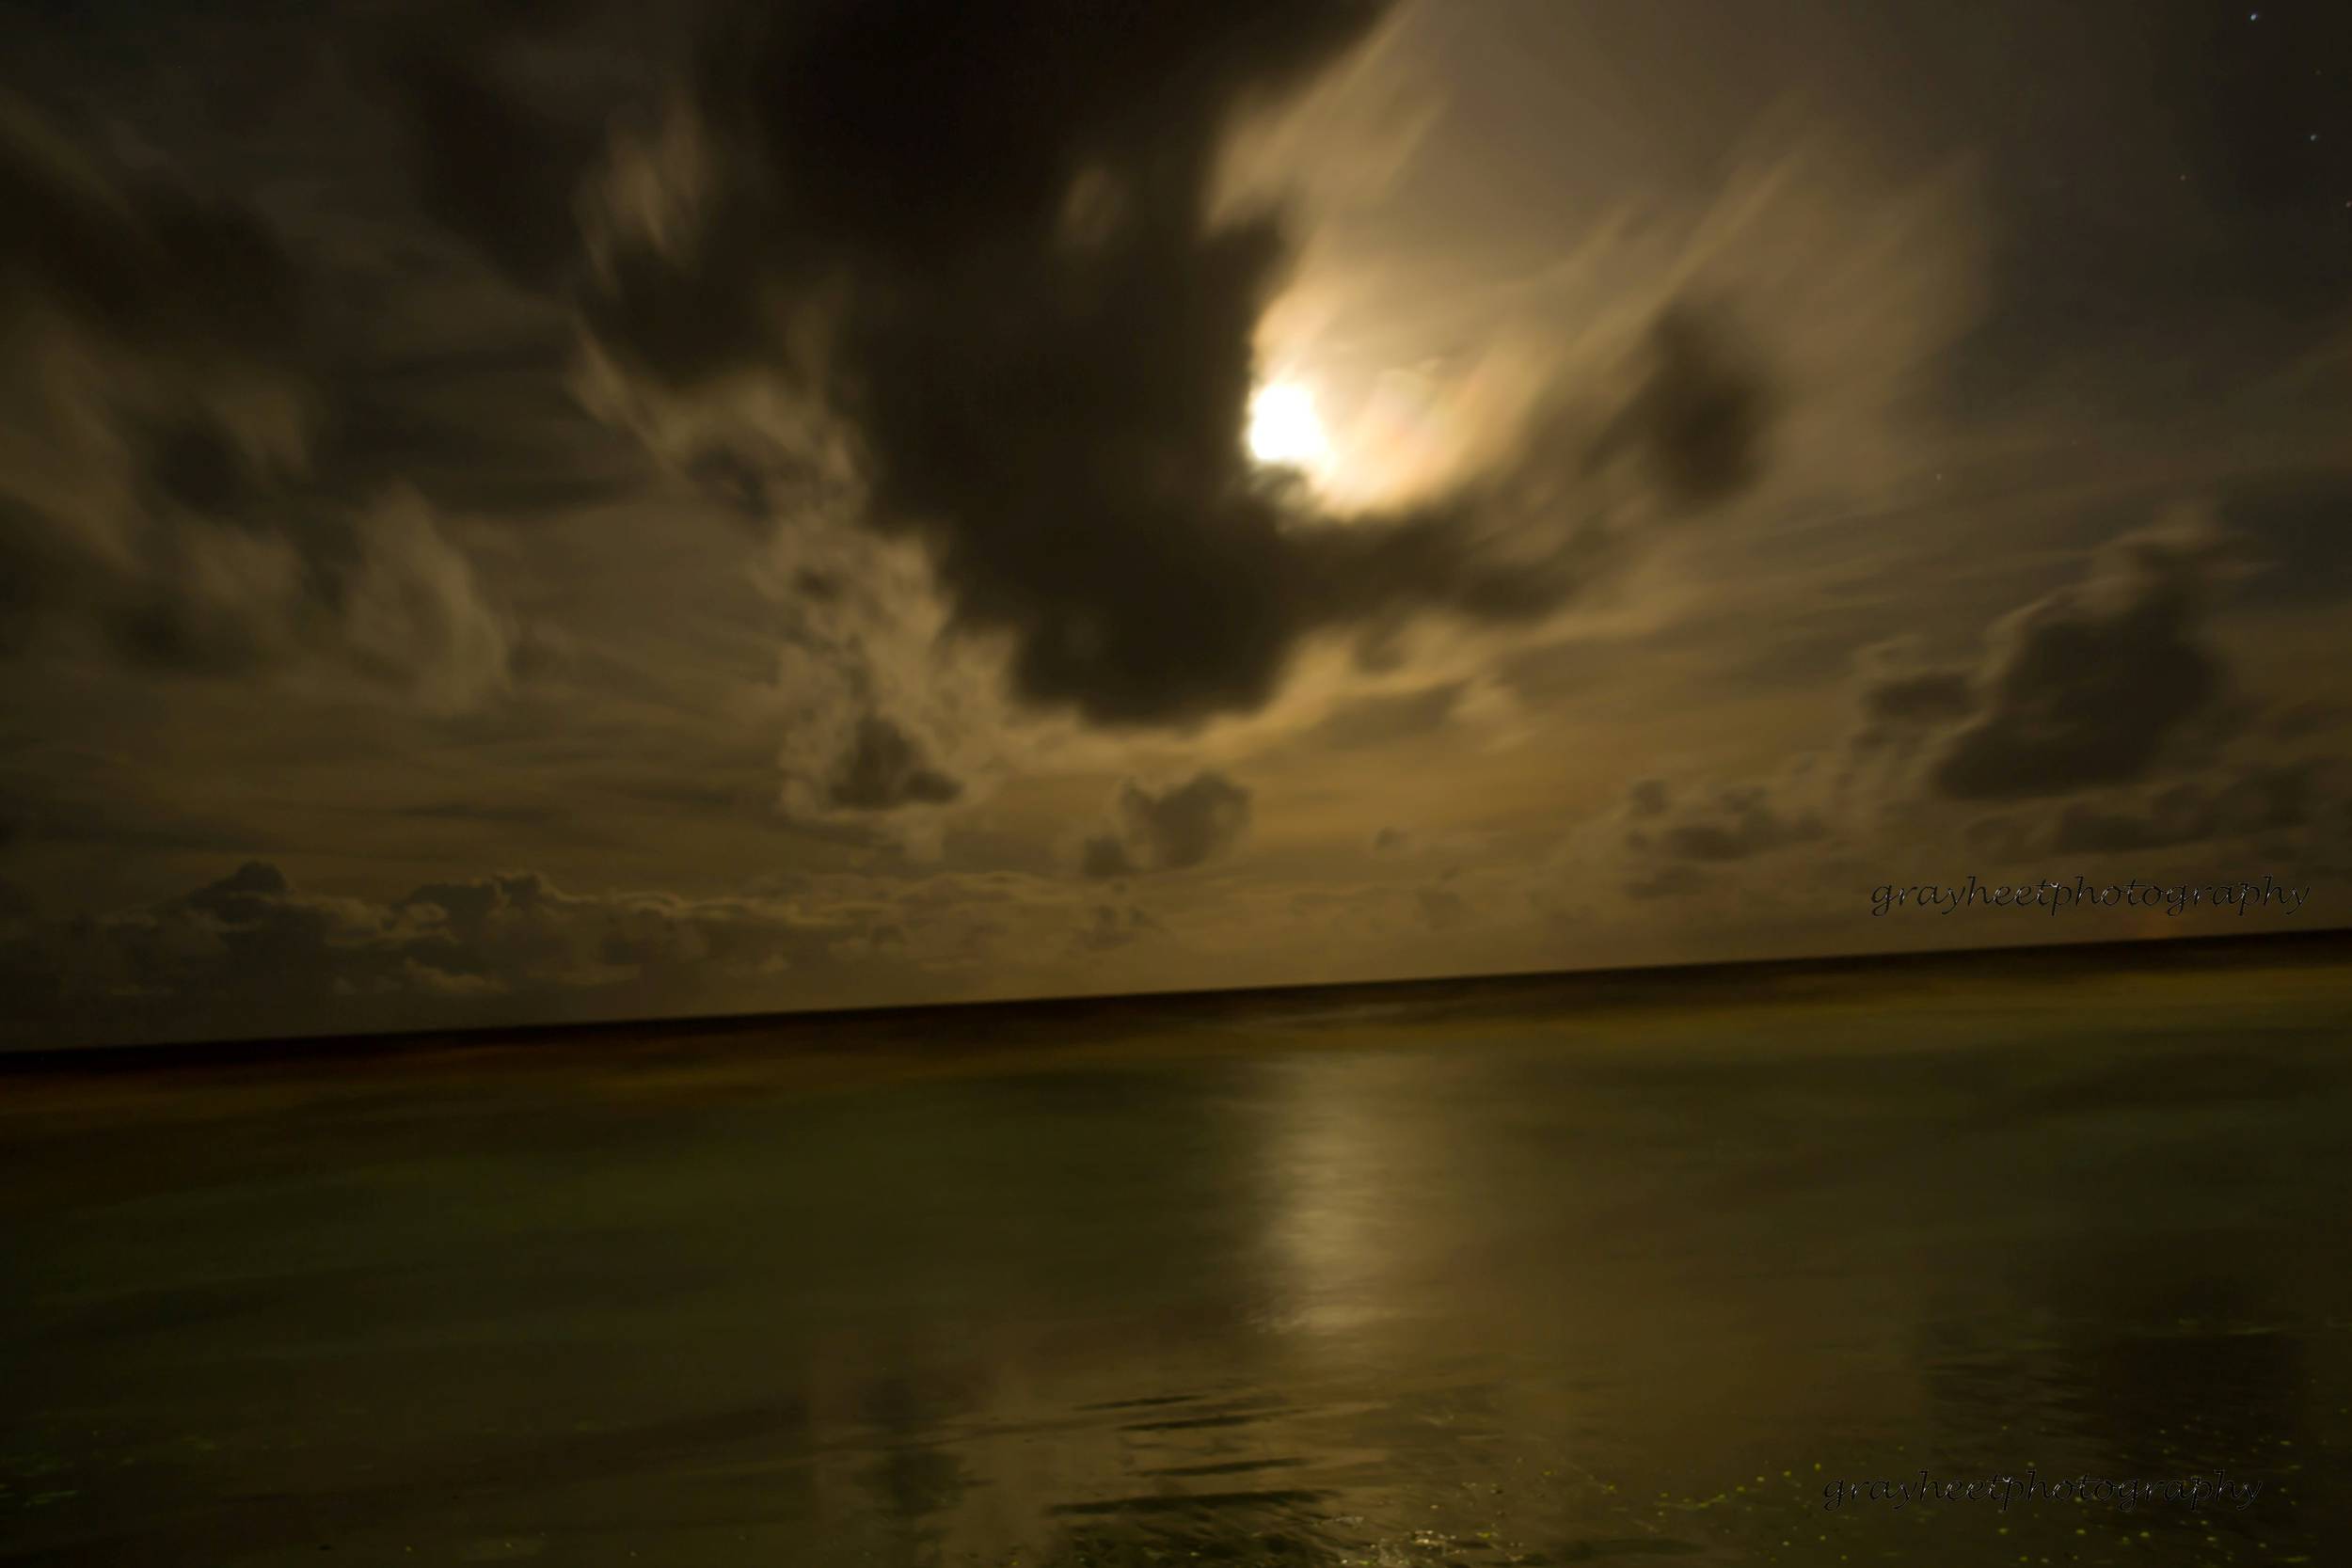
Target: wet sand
1474,1274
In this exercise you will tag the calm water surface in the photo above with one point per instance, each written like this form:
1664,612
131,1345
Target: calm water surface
1469,1293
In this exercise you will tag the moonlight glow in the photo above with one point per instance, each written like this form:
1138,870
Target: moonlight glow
1284,429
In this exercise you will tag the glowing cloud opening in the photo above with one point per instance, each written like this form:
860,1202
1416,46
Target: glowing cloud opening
1285,431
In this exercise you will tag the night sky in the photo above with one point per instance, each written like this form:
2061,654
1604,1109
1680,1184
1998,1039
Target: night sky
563,511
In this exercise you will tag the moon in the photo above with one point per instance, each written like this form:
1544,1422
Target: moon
1284,429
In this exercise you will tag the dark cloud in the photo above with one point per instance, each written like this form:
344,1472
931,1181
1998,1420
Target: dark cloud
1171,831
884,769
1390,841
2087,686
851,201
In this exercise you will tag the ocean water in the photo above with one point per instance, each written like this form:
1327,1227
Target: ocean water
1460,1287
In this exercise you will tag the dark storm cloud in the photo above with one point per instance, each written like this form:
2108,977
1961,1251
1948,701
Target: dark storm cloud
852,199
1175,829
2088,686
884,769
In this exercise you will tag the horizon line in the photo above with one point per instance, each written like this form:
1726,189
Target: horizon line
228,1051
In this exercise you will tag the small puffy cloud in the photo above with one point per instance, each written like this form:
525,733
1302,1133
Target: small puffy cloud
1169,830
1667,841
